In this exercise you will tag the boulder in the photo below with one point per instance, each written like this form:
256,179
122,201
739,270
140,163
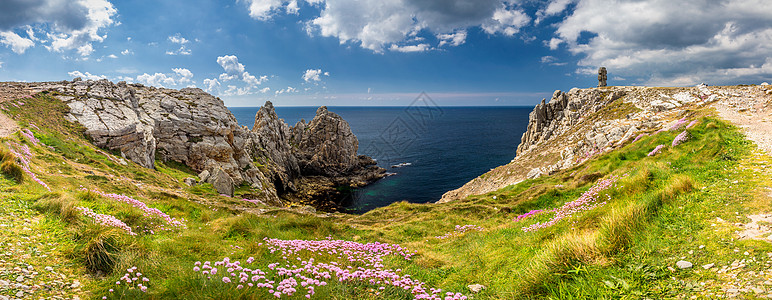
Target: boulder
221,182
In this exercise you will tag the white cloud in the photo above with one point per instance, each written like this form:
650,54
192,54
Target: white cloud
179,77
554,43
234,70
17,43
85,50
112,56
93,15
312,75
157,79
378,24
1,64
127,52
658,43
452,39
230,63
507,21
288,90
553,8
185,75
86,76
551,60
410,48
211,85
178,39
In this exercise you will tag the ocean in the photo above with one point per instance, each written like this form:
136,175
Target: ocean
430,149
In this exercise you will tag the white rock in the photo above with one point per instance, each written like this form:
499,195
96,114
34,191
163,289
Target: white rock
476,288
682,264
708,266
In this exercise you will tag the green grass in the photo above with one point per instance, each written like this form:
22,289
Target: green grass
661,208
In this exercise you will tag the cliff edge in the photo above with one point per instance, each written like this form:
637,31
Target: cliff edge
582,123
194,128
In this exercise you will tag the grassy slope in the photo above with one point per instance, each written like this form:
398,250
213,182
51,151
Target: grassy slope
662,207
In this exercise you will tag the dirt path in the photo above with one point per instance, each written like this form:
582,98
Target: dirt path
750,108
7,126
11,91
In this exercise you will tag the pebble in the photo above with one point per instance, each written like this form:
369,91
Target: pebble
682,264
708,266
476,288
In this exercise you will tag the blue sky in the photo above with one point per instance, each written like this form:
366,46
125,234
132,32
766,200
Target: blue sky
385,52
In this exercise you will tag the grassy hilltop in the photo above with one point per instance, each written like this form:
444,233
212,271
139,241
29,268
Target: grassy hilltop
78,221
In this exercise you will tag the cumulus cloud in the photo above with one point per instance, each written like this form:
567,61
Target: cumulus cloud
14,41
86,76
157,79
127,52
378,25
211,85
453,39
312,75
553,8
655,41
185,75
179,40
506,21
67,25
234,72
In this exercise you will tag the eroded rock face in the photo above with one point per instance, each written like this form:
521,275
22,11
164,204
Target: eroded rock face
327,156
326,145
195,128
576,126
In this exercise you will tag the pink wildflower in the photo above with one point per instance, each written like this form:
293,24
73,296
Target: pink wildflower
656,150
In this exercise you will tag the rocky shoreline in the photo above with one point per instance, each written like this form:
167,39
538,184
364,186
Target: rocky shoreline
314,162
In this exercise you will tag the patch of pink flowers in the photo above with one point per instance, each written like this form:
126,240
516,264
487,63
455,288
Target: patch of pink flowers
30,136
678,124
24,157
639,137
357,262
105,220
656,150
131,280
528,214
587,201
460,230
692,123
148,211
680,138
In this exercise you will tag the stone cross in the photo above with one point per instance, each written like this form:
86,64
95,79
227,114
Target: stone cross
602,77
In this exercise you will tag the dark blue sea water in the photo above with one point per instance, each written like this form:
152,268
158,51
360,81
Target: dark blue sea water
444,147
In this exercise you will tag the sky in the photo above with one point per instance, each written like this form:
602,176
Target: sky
386,52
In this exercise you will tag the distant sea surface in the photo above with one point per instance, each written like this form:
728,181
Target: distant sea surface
440,149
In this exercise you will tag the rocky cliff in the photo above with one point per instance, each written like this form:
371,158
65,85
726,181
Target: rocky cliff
195,128
575,126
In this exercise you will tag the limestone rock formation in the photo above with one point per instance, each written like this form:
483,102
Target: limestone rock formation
575,126
195,128
221,182
275,151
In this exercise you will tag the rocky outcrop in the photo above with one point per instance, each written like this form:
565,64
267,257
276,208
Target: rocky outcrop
274,151
327,150
195,128
575,126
